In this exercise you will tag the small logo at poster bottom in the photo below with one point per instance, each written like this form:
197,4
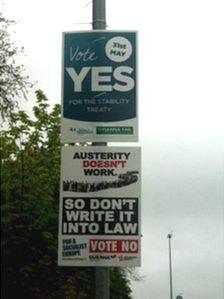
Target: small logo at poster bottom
114,130
81,131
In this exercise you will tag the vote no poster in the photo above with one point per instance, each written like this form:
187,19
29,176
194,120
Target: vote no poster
99,86
99,220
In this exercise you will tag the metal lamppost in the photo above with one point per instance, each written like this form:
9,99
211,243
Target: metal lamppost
169,236
102,284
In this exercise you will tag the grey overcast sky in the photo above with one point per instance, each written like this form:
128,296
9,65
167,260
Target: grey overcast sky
181,101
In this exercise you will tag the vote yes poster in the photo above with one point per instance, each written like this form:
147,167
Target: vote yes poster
99,221
99,86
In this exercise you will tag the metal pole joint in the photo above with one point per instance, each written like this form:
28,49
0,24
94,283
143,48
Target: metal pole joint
99,24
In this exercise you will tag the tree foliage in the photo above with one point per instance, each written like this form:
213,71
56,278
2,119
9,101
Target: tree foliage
30,171
13,81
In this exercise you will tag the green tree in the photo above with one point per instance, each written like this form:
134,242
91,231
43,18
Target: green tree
13,81
119,284
30,171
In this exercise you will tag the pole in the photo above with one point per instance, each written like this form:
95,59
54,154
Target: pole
99,23
101,273
169,236
99,14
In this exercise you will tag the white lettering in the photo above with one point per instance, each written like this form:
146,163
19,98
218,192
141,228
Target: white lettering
77,78
121,228
101,78
84,55
119,75
69,203
97,78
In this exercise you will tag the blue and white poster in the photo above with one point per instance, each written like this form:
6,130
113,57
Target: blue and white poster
99,86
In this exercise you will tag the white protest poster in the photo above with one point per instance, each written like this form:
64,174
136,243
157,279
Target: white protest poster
99,220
